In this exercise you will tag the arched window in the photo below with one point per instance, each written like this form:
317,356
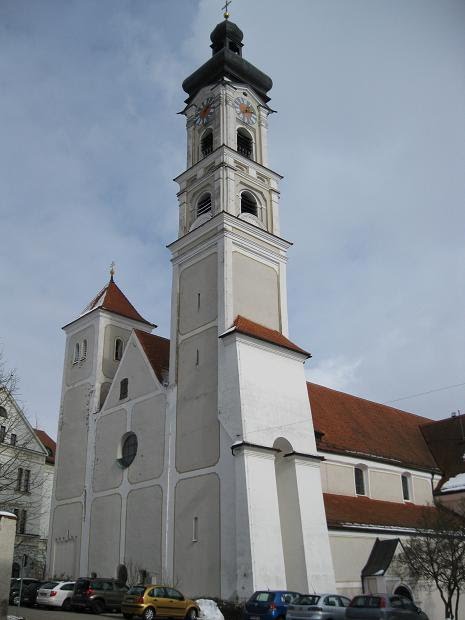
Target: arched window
119,348
3,413
406,482
359,475
248,203
84,349
204,204
244,143
77,351
206,143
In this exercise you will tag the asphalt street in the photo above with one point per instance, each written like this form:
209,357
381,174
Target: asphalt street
34,613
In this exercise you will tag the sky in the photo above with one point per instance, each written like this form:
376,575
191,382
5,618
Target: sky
369,135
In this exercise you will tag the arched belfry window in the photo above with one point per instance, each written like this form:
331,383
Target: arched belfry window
119,347
77,352
206,143
244,143
249,203
84,349
204,204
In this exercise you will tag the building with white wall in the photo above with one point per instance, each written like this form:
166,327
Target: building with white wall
205,460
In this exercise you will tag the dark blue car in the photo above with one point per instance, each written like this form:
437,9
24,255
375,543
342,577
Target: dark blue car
268,604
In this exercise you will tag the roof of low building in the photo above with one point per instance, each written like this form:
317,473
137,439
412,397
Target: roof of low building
357,427
157,350
112,299
48,443
256,330
446,440
360,511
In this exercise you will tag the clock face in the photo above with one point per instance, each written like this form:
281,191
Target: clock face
245,111
204,112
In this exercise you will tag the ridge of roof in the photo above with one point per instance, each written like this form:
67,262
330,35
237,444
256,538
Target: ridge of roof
363,511
157,350
247,327
48,443
112,299
364,429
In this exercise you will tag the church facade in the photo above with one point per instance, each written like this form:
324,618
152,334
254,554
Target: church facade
205,460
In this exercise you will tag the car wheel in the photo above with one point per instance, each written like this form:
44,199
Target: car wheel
98,607
149,613
66,604
191,614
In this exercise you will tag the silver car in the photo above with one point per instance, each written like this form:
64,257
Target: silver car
383,607
318,607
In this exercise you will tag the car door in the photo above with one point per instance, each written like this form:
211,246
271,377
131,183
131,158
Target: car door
159,599
177,603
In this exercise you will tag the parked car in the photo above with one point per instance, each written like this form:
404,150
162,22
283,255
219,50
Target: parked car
98,594
318,607
55,594
383,607
150,601
15,586
28,594
268,604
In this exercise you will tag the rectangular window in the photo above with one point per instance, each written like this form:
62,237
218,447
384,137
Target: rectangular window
405,488
22,521
2,433
13,439
19,479
359,481
27,480
195,529
123,389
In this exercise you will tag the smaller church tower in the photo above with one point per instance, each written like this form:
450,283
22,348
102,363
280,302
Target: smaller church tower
95,343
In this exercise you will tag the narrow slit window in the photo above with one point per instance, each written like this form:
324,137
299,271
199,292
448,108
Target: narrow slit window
248,204
84,349
123,389
119,348
204,205
2,433
13,439
19,479
359,481
405,487
244,143
206,143
198,302
27,481
197,358
195,529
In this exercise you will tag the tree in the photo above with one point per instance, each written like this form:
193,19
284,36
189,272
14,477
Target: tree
21,468
436,554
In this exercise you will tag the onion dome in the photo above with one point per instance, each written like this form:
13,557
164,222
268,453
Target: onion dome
227,62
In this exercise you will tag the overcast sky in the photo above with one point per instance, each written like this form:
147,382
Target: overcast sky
369,135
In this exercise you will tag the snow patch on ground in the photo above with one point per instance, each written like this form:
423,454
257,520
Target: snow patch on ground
209,609
455,483
15,618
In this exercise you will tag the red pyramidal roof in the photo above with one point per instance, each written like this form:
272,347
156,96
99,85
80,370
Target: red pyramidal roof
112,299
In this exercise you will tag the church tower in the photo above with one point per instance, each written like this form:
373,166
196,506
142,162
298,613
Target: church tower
247,502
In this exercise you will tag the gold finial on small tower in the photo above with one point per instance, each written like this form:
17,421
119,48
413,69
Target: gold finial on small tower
112,270
225,9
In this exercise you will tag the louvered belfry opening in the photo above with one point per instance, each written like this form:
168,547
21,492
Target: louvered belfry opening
206,144
248,204
204,205
244,143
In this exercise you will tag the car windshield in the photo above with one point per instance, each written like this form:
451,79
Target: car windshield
49,585
137,590
307,599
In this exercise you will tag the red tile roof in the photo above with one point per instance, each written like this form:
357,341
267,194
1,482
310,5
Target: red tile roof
157,350
250,328
363,511
363,428
48,443
112,298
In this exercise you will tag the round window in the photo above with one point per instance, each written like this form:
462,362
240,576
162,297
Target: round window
128,449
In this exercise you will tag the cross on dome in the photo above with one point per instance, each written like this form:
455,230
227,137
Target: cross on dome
226,9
